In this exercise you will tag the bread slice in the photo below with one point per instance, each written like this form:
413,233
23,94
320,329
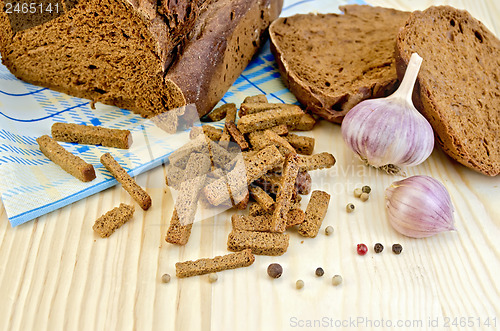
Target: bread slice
119,52
331,62
458,86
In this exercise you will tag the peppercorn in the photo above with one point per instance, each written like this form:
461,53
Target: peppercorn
397,248
336,280
364,196
320,272
366,189
350,208
274,270
357,192
378,248
165,278
212,278
329,230
361,249
299,284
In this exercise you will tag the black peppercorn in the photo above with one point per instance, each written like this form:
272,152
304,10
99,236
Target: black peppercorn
274,270
397,248
320,272
378,248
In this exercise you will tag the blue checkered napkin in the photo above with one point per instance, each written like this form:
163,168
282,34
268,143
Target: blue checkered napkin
31,184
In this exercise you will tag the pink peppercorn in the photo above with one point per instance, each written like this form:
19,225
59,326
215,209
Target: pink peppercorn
361,249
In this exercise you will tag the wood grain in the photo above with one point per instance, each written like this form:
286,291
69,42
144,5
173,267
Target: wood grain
55,273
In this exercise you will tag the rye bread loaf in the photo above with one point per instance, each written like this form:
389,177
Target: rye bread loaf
145,56
111,51
331,62
223,42
458,86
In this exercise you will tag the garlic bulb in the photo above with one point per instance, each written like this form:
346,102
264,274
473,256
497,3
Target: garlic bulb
419,206
390,132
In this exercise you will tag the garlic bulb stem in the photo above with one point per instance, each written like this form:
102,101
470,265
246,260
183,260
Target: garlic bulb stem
405,89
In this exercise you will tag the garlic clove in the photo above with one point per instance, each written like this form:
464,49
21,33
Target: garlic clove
390,132
419,206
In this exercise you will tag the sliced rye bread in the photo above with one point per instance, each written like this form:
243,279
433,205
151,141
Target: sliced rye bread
458,86
145,56
108,51
331,62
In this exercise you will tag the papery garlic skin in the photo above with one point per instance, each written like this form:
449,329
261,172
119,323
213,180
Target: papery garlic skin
382,133
419,207
390,131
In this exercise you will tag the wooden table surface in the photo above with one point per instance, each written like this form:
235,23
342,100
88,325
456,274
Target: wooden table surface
55,273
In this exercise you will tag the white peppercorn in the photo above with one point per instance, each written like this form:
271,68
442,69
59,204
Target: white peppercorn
212,277
165,278
336,280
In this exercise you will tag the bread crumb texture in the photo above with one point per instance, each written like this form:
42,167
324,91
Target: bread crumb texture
331,62
458,87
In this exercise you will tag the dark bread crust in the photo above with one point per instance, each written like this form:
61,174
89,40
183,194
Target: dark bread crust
331,62
223,42
458,86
